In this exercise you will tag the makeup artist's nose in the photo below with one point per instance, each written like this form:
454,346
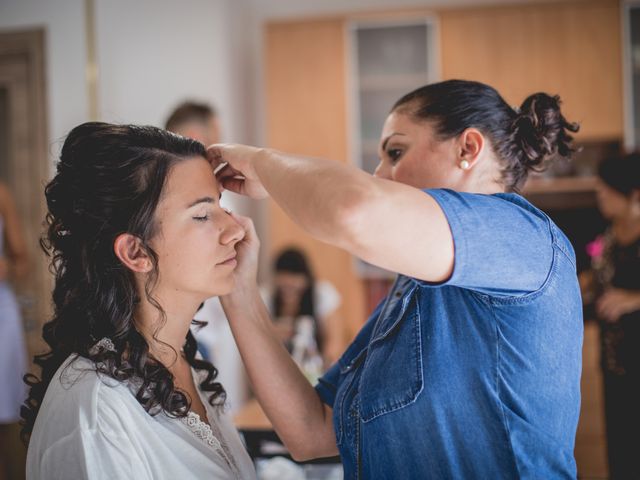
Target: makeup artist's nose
382,171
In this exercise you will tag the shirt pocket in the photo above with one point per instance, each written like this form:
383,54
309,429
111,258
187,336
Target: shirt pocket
392,376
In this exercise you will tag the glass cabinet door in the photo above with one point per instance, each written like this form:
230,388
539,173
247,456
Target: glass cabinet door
387,61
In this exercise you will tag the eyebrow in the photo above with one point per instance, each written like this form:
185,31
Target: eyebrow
204,200
386,140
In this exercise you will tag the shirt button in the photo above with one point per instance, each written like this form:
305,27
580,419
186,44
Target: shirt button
398,294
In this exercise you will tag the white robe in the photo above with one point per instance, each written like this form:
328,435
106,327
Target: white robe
92,427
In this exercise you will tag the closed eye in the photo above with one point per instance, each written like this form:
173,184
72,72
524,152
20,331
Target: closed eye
203,218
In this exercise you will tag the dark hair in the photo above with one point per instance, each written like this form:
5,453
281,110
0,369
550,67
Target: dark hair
188,112
524,139
622,173
293,260
109,180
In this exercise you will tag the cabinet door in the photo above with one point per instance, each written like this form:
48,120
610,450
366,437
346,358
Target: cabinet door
306,114
388,59
572,48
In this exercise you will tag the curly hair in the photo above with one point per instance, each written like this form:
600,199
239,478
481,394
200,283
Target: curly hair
109,181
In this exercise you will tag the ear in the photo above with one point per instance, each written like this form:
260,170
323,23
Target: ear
128,249
471,144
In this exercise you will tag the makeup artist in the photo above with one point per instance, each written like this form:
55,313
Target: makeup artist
470,368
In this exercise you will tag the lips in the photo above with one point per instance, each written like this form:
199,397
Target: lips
230,259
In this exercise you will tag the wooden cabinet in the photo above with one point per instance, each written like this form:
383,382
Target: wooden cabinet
572,49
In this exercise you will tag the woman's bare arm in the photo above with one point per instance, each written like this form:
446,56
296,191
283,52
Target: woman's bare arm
302,420
375,219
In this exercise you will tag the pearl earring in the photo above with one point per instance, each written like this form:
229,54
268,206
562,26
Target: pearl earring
465,165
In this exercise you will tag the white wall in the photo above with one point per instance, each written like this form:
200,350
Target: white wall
153,54
63,21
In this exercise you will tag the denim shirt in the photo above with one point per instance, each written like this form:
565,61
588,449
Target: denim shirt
475,377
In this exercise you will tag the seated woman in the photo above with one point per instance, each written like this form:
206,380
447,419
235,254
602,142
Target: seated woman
138,241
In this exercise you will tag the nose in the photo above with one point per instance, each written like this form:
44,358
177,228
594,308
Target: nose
382,171
231,231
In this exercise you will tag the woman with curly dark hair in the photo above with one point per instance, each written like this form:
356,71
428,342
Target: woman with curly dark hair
138,240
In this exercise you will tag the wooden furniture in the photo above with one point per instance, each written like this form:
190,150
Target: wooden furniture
252,417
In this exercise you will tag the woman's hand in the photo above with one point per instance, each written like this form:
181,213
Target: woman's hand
616,302
238,175
246,273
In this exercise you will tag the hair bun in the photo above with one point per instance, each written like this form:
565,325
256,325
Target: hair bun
541,131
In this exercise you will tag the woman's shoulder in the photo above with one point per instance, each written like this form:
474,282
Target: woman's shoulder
501,200
493,216
79,398
71,406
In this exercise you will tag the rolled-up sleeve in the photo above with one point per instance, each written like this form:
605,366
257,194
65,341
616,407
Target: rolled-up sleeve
503,245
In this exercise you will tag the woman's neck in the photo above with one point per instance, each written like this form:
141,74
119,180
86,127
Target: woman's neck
165,334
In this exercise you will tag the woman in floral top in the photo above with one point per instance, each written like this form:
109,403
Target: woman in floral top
612,286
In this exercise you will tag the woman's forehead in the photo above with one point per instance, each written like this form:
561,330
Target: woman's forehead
189,180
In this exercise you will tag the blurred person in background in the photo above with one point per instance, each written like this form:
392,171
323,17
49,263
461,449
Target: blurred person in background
200,121
195,120
305,312
612,288
13,356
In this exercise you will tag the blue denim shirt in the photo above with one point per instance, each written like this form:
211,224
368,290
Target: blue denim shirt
476,377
